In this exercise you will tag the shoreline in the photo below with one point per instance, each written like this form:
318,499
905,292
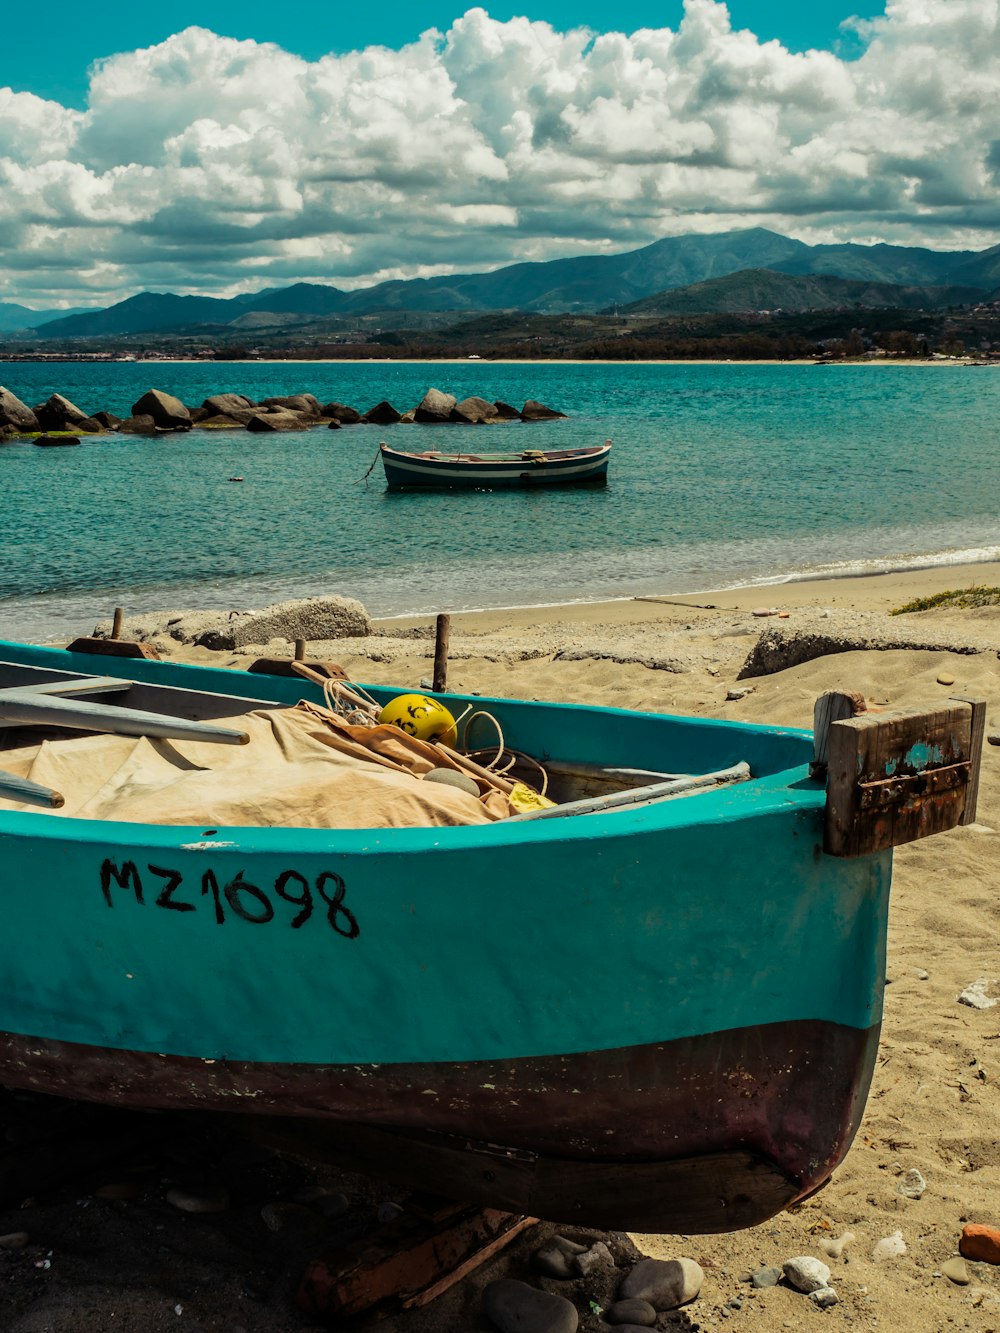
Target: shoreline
855,591
95,359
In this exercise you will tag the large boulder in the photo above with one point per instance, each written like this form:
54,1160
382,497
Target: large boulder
347,416
473,411
382,414
227,404
57,441
168,412
16,414
138,425
264,421
107,420
306,618
434,407
535,411
295,402
506,412
58,413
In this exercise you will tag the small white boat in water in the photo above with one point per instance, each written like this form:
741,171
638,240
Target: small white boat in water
529,467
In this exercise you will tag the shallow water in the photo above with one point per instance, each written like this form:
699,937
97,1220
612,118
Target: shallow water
720,474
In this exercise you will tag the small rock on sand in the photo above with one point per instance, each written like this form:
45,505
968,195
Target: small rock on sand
975,995
664,1283
834,1249
634,1312
980,1243
911,1184
806,1273
765,1277
889,1247
202,1201
955,1271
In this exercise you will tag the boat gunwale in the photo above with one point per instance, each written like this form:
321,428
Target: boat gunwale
786,790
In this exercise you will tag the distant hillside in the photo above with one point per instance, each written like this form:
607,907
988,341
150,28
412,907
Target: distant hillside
764,289
582,285
16,317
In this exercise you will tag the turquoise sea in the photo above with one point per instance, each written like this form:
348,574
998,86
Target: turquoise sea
721,474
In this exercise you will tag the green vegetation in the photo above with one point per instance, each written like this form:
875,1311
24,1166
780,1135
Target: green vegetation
960,598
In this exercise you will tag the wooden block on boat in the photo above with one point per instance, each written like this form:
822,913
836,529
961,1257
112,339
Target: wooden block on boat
901,775
408,1262
282,666
112,647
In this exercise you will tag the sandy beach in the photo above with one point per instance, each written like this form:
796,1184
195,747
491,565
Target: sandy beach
136,1263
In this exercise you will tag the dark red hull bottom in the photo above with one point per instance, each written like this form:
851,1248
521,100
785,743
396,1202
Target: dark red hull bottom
703,1134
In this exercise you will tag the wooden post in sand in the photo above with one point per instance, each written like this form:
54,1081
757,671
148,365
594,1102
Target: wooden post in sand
117,621
440,679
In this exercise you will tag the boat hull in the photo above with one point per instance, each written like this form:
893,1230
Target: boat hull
573,468
524,1013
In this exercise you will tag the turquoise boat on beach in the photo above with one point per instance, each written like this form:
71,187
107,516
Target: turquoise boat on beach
662,1017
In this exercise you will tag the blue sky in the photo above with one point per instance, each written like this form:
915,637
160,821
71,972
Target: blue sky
219,148
87,32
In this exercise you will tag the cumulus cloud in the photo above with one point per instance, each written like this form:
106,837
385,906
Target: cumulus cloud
215,165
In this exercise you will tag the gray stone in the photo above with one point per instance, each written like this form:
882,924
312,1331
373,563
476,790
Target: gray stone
765,1277
295,402
514,1307
382,414
597,1256
347,416
58,413
953,1269
14,1240
228,405
738,692
16,414
635,1312
912,1184
664,1283
506,412
806,1273
473,410
434,407
143,424
388,1211
279,420
107,419
168,412
54,441
334,424
824,1297
536,411
554,1259
975,995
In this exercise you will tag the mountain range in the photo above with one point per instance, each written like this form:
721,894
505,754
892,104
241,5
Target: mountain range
675,273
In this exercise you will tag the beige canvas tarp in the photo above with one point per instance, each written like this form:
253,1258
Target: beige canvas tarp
303,768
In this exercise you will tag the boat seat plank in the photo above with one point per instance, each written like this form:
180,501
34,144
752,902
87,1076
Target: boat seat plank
639,796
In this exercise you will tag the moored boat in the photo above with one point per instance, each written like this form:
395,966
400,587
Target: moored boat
662,1016
529,467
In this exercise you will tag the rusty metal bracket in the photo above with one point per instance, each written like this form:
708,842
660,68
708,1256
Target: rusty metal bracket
911,787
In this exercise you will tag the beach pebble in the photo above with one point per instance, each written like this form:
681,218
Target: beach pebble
514,1307
980,1243
834,1248
585,1263
921,974
764,611
205,1201
555,1259
332,1205
912,1184
635,1312
784,615
824,1297
955,1271
738,692
14,1240
388,1211
975,995
806,1273
945,679
765,1277
889,1247
664,1283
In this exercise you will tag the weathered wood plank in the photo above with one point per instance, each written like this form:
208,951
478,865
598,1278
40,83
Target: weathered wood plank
112,647
975,754
888,782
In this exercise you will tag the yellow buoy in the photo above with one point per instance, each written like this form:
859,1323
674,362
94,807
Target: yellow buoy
420,716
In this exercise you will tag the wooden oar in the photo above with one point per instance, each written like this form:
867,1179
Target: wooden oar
28,708
71,689
657,791
13,788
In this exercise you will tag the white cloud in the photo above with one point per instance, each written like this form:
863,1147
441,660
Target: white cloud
210,164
